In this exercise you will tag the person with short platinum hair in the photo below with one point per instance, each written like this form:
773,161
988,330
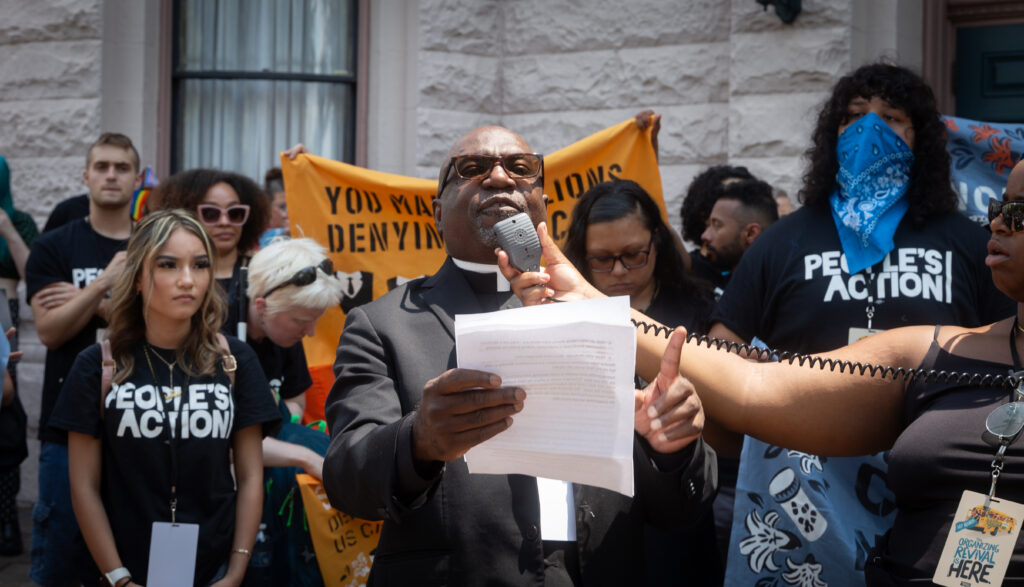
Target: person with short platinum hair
278,262
291,284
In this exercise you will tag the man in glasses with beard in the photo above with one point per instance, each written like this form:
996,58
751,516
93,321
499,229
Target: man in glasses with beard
401,416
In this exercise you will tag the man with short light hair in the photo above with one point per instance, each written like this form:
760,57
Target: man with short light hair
69,272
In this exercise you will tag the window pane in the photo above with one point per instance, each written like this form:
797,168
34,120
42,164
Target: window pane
243,125
300,36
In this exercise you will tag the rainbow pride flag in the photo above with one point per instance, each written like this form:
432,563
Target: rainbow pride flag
149,181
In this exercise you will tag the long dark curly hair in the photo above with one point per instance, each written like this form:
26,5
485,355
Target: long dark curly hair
186,190
612,200
929,192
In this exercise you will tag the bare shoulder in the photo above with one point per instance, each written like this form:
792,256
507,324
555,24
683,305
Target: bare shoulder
908,346
898,347
988,343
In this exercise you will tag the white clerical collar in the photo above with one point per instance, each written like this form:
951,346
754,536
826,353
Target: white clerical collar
502,283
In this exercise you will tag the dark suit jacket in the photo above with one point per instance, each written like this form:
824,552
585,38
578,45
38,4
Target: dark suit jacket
461,529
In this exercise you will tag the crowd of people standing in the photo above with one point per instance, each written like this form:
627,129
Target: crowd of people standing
175,377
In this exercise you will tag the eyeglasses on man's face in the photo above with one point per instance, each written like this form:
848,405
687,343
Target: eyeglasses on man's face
212,214
516,166
633,260
304,276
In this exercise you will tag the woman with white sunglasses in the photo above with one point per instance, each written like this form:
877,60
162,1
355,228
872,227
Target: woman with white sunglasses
233,210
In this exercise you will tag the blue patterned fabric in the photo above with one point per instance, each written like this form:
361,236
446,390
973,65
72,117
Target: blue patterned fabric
981,157
791,505
868,204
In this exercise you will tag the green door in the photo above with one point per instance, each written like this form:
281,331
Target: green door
989,82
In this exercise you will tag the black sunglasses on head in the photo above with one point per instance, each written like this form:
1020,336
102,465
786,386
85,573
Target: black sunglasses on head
304,276
1012,213
516,165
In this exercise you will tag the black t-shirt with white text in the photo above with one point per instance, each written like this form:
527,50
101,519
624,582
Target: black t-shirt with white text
791,289
77,254
285,368
203,415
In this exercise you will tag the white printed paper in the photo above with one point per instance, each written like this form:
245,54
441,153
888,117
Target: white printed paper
575,361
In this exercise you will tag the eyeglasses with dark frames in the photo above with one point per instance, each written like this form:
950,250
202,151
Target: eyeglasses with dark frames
212,214
516,165
606,263
1011,211
304,276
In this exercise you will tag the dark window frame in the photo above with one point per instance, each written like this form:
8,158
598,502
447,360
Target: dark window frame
179,76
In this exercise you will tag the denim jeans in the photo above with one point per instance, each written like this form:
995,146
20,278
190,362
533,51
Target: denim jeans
59,555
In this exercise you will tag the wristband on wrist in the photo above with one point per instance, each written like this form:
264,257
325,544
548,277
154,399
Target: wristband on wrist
242,551
114,576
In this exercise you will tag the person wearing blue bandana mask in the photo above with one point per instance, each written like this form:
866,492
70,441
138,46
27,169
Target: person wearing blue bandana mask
868,204
877,244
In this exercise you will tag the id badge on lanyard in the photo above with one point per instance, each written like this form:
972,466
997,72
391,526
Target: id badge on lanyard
173,545
980,542
172,554
856,334
984,531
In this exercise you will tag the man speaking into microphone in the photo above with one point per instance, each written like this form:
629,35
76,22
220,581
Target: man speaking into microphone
401,417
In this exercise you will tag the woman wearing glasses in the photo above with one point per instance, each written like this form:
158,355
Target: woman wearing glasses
942,440
176,439
234,211
619,242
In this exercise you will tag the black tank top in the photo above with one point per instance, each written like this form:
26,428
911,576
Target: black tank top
939,454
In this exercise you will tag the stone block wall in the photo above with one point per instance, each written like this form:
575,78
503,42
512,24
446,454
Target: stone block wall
732,82
50,98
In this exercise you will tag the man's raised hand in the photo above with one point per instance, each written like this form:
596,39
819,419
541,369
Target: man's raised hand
668,413
558,278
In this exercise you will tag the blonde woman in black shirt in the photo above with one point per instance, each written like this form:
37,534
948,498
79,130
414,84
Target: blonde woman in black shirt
182,407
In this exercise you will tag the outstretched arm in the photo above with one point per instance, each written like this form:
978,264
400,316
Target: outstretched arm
804,408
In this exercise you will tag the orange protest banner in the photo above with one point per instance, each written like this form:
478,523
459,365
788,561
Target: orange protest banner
618,152
344,545
379,227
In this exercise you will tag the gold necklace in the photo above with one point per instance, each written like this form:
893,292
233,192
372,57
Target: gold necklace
170,371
